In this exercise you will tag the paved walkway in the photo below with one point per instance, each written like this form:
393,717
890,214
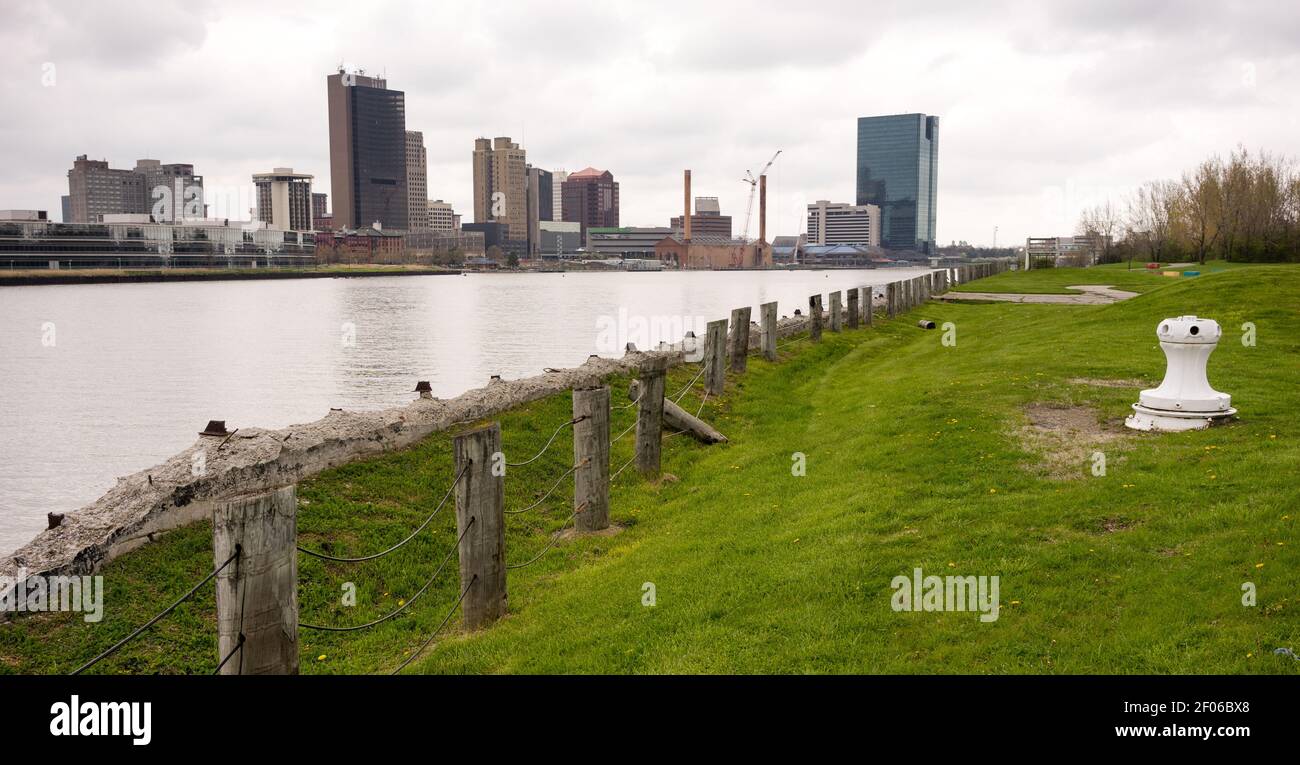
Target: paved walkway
1089,294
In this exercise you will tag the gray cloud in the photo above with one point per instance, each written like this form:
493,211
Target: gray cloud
1043,108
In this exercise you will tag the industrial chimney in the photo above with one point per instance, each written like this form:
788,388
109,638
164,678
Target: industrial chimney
686,218
762,208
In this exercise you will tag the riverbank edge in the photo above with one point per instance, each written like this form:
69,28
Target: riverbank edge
183,489
206,276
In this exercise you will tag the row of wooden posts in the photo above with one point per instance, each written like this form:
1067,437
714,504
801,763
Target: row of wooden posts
257,601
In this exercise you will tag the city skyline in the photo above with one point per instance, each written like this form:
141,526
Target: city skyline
1039,123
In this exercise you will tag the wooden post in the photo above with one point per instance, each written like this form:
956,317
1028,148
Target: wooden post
715,357
591,455
855,314
836,303
740,339
650,411
257,594
815,317
891,299
480,525
868,306
767,314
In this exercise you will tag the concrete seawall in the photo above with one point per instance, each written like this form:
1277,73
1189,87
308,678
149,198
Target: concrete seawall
176,493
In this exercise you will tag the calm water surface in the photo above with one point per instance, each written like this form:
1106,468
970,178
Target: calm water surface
99,381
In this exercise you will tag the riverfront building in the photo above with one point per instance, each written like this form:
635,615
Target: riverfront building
897,170
501,190
169,192
442,217
590,198
831,223
284,199
130,240
367,124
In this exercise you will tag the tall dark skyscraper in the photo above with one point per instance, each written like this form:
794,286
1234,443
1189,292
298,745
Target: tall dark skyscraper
367,151
898,169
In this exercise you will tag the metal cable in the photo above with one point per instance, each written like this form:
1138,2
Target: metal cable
574,421
703,401
549,491
445,619
413,535
620,470
683,391
405,605
239,647
238,550
633,402
554,538
624,433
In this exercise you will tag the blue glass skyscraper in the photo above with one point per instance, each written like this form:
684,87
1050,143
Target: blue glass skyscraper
898,169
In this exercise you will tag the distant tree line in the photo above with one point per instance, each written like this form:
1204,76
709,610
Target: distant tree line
1244,208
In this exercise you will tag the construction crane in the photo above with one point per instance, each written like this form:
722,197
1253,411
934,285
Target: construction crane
753,189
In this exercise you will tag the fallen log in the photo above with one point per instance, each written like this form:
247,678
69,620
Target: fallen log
678,418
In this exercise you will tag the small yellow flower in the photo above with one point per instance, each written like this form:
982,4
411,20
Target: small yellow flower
320,658
951,564
1016,603
993,491
1259,565
401,602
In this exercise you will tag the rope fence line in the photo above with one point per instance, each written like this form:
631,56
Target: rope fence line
400,544
684,390
554,538
551,490
404,606
534,458
212,575
445,619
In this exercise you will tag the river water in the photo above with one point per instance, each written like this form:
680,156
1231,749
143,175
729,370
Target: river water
99,381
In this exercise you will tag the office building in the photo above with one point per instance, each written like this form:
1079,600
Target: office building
897,170
831,223
590,197
707,220
96,190
557,238
558,177
284,199
441,216
501,188
172,192
626,242
319,205
367,124
540,205
417,189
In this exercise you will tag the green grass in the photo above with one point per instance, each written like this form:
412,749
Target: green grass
1119,275
913,460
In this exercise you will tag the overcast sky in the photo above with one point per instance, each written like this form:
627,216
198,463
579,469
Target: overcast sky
1042,111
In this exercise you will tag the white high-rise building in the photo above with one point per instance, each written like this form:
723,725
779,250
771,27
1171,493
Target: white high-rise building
839,223
558,177
417,171
441,216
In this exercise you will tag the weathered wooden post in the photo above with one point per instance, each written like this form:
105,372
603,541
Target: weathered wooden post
836,322
715,357
740,339
480,525
854,313
257,594
868,307
815,318
767,315
591,455
891,299
650,412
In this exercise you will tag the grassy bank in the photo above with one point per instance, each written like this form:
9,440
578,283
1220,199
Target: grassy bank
1118,275
918,455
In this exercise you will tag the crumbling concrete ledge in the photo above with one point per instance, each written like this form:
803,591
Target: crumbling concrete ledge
175,493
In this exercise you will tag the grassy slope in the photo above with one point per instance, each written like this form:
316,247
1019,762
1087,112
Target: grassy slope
1118,275
912,461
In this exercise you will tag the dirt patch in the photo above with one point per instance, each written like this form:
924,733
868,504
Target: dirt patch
611,530
1112,525
1099,383
1066,437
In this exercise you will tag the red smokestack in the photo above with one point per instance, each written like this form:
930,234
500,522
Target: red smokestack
762,208
686,218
